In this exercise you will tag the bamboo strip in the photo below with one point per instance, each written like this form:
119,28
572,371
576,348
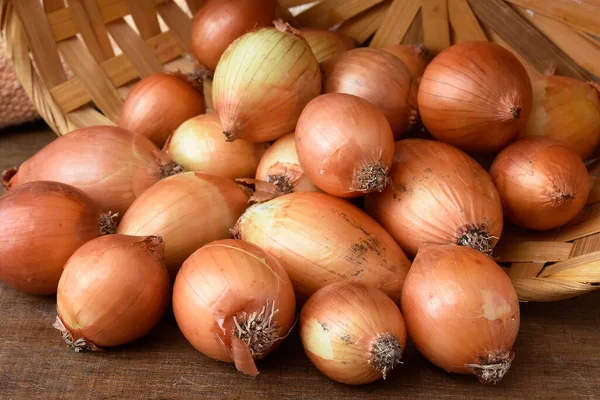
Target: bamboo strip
95,16
363,25
85,26
53,5
579,262
538,252
177,20
141,56
463,22
436,29
396,23
549,289
524,270
143,13
293,3
194,5
414,35
87,116
587,227
586,245
331,12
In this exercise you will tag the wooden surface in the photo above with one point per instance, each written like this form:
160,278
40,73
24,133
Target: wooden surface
557,353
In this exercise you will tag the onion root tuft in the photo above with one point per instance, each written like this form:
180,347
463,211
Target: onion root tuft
476,237
258,330
282,182
108,223
493,368
371,178
76,344
170,169
386,353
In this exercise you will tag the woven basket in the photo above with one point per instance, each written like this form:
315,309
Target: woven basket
41,34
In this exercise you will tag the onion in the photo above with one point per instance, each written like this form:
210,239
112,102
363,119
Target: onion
542,183
438,195
198,145
234,302
476,96
159,103
461,311
325,43
379,77
109,164
354,334
220,22
345,145
320,239
567,110
280,166
262,83
416,57
114,289
41,226
188,211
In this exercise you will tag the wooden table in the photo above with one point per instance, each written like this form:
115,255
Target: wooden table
557,353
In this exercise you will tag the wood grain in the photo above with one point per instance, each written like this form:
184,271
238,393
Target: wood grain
414,34
363,25
143,13
396,23
178,22
436,28
92,30
331,12
463,22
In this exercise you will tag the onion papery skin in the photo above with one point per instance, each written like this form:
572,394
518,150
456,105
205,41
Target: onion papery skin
225,279
158,104
325,43
280,165
567,110
461,311
347,329
476,96
262,83
41,226
188,211
109,164
380,78
542,183
320,239
219,22
416,57
198,145
114,290
345,145
437,195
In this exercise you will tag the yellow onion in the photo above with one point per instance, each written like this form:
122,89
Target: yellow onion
416,57
567,110
320,239
461,311
354,334
188,211
542,183
114,289
263,82
325,43
280,166
198,145
234,302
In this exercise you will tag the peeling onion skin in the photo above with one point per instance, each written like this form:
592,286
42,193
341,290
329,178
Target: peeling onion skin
542,183
188,211
261,100
461,310
114,290
476,96
225,279
325,43
437,195
347,329
320,239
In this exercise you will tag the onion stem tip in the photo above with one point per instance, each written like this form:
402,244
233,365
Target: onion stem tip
78,344
108,223
170,169
515,112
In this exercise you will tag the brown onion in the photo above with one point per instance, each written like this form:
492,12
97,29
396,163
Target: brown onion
280,166
220,22
114,289
542,183
263,82
188,211
325,43
567,110
438,195
475,96
461,311
379,77
107,163
345,145
198,145
416,57
234,302
354,334
320,239
41,226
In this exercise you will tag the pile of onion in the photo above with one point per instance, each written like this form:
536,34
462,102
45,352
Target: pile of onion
320,239
41,226
261,100
542,183
354,334
416,57
114,289
198,145
567,110
476,96
188,211
345,145
220,22
438,195
234,302
109,164
461,311
380,78
325,43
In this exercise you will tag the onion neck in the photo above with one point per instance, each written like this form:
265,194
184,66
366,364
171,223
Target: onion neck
492,367
371,178
170,169
79,344
560,198
258,330
476,237
385,353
